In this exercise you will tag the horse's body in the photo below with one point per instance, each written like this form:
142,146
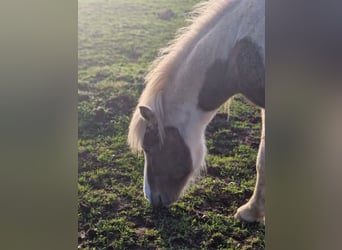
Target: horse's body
220,54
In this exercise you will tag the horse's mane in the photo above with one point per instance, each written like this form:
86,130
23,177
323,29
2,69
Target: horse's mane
163,68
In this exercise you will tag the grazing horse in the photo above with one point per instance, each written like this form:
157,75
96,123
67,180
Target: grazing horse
220,54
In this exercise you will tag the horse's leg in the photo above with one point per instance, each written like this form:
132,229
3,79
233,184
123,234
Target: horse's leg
254,209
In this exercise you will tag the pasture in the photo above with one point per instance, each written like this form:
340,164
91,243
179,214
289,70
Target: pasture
118,40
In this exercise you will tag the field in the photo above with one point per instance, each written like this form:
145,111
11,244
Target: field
118,40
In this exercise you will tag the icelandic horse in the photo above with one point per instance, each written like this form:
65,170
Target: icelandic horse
220,54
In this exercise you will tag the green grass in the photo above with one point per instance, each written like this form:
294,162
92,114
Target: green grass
118,40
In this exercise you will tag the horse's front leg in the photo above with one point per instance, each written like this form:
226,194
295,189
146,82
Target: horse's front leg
254,209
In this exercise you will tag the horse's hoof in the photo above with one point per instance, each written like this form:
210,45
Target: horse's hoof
249,213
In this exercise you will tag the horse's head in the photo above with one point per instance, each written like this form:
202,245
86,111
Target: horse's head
168,164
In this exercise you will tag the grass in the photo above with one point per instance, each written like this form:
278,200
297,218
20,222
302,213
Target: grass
117,42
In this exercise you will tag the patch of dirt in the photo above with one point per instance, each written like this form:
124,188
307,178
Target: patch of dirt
100,115
166,15
111,208
121,105
214,171
85,206
83,158
121,178
83,97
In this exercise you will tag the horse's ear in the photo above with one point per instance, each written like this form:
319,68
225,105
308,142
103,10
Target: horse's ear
148,115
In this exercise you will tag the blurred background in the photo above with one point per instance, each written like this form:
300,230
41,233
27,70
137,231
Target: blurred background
39,71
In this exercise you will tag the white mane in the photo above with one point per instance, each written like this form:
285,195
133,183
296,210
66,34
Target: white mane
163,68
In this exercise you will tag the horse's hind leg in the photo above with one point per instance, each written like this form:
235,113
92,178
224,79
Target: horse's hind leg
254,209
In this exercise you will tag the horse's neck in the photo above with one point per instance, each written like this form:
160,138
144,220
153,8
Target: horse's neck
199,75
195,61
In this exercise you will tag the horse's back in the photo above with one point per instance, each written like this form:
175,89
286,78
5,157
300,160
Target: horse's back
236,58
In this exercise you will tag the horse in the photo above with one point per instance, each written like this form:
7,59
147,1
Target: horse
221,53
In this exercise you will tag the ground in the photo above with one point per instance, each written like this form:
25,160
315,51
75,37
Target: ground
118,40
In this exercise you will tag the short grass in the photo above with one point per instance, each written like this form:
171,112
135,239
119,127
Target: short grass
118,39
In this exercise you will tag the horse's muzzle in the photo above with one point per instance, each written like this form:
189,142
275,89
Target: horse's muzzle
158,200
